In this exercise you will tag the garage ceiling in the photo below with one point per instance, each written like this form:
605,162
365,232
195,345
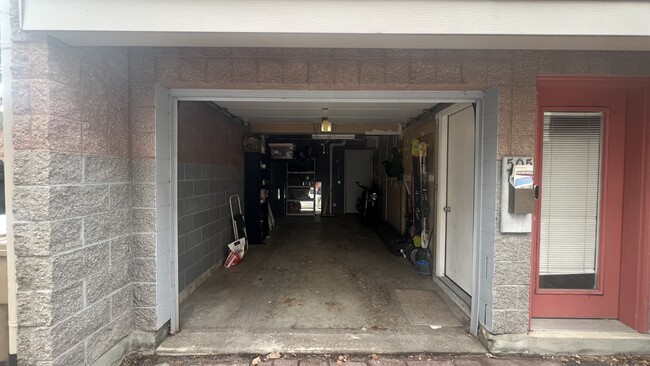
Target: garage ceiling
338,112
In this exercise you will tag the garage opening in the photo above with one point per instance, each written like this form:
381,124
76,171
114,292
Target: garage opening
347,252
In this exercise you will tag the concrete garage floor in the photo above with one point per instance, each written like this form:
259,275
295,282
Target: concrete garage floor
320,285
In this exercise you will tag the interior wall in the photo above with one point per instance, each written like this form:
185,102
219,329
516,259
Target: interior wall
210,170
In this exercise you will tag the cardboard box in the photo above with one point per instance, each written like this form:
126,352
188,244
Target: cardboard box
281,151
252,145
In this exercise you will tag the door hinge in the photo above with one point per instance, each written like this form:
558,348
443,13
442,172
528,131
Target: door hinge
447,209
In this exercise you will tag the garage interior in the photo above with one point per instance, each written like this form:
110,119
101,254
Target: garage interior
316,272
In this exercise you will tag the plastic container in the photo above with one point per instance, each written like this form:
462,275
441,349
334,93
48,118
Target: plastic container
423,266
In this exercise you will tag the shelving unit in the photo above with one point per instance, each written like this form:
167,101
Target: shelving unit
257,174
299,189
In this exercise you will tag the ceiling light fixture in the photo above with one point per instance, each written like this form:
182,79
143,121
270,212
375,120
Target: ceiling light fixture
325,125
333,136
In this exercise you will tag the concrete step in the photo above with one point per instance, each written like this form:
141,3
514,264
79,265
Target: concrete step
321,341
557,342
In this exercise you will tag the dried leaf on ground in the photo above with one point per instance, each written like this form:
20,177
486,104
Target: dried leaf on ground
256,361
273,355
374,356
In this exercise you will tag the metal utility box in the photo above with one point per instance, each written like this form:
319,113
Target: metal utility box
520,200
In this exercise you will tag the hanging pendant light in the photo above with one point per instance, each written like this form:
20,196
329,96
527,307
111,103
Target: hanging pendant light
325,125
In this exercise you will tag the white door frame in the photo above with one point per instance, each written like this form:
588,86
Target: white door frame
175,316
433,97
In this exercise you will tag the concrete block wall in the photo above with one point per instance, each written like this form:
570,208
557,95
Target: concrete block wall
204,226
71,198
513,71
144,234
210,170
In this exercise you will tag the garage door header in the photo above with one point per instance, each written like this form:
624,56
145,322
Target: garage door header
355,23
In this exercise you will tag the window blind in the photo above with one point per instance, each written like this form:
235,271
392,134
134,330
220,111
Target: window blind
571,164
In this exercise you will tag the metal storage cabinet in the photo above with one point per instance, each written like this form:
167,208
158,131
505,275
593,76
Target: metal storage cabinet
252,185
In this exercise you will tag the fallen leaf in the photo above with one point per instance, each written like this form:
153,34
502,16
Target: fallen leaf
374,356
256,361
489,355
273,355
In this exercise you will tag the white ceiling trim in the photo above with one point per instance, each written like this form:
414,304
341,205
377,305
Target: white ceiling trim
402,41
332,96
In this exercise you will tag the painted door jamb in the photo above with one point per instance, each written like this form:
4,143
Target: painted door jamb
478,212
175,305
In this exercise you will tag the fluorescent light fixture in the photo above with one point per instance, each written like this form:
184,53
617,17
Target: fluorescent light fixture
322,136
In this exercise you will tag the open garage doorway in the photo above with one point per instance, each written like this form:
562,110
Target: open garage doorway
313,282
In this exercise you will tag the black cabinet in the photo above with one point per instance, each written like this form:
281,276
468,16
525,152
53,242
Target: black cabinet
252,208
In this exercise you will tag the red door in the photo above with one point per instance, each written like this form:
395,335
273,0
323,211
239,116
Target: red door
579,161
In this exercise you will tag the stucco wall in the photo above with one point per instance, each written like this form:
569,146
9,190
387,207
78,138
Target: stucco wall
514,72
71,198
210,170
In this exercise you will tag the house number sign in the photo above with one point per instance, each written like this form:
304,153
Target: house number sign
513,223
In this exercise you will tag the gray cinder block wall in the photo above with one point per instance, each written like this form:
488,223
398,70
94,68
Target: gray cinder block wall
71,198
210,170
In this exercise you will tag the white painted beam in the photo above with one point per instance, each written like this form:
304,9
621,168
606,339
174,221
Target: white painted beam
353,23
469,17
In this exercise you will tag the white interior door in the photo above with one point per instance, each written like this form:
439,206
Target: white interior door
459,208
358,167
